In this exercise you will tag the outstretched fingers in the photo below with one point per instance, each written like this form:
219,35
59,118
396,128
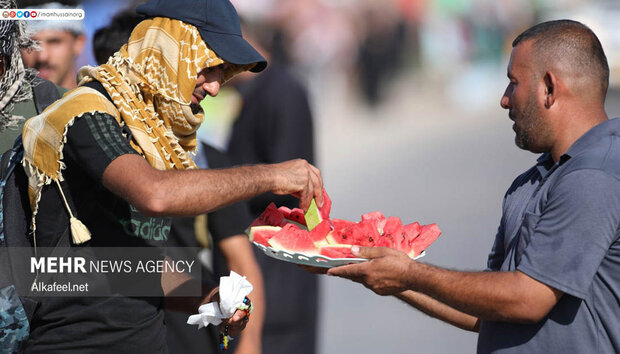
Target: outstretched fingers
355,272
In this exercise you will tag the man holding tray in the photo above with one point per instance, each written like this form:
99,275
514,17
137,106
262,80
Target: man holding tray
553,279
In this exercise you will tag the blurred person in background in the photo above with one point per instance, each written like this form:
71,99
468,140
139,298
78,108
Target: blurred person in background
109,39
274,125
22,94
60,42
223,228
380,53
553,278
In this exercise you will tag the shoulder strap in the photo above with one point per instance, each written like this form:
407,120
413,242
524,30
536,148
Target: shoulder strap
45,93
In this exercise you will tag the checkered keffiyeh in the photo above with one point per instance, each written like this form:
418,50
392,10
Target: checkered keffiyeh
6,37
150,81
16,82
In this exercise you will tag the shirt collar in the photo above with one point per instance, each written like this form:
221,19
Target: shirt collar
545,162
598,132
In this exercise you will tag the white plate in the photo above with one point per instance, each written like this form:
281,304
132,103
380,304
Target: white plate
315,261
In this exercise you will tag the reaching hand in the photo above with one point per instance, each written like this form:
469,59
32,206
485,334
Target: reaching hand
386,272
301,179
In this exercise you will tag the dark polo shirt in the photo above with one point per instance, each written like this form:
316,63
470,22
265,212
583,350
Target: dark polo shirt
560,226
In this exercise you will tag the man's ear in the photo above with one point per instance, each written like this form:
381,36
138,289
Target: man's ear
551,84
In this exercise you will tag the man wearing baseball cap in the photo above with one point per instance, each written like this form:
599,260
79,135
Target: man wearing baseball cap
117,148
60,43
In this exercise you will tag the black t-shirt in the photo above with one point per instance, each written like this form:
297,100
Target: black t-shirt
110,324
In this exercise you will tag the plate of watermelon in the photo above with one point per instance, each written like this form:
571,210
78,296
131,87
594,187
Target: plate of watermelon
313,239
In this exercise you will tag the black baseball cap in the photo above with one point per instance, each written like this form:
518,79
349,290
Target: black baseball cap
218,24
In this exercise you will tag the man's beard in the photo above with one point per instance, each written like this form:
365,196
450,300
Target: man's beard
196,108
532,131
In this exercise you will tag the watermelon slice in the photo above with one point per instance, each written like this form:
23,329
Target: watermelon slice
315,215
342,236
393,233
392,226
271,217
293,240
262,234
365,233
341,233
428,234
377,218
385,241
340,224
299,226
327,205
336,251
295,214
313,233
411,232
319,233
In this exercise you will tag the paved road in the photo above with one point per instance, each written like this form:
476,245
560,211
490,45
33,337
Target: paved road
422,158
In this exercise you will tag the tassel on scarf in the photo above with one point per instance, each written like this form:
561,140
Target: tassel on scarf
79,231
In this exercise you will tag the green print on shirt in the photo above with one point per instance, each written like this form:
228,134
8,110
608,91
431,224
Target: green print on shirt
147,228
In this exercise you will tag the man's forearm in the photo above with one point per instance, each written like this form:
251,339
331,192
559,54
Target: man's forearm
193,192
179,193
498,296
439,310
207,190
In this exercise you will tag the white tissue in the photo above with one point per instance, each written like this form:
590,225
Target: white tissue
233,289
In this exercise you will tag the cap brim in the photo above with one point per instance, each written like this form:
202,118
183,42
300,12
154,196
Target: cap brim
234,49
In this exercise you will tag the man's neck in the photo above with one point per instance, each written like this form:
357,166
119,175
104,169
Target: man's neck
575,127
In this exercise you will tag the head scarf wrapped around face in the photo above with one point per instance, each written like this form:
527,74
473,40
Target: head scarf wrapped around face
150,81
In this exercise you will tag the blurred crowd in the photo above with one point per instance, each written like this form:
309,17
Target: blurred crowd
363,45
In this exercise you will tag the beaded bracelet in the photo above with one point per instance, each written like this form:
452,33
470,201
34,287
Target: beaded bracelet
248,308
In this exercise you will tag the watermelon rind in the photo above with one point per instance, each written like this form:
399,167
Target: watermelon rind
313,215
298,225
259,234
254,229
